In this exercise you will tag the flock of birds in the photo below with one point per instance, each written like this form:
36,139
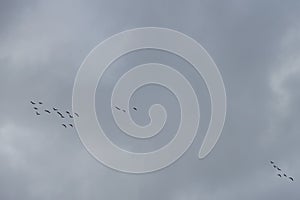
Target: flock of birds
280,173
118,108
38,108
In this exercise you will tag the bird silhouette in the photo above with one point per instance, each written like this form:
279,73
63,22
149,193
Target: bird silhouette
284,175
47,111
40,102
67,112
35,108
60,114
274,166
134,108
33,103
70,116
55,109
279,175
64,125
37,113
76,114
117,108
271,162
124,110
71,125
291,178
278,169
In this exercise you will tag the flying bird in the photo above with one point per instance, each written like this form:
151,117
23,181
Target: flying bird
35,108
64,125
71,125
291,178
60,114
37,113
67,112
117,108
134,108
279,175
274,166
284,175
70,116
124,110
278,169
33,103
271,162
76,114
40,102
55,109
47,111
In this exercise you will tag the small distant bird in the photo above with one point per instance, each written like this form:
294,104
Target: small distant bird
47,111
124,110
134,108
279,175
37,113
67,112
278,169
71,125
35,108
64,125
291,178
33,103
274,166
55,109
271,162
70,116
284,175
60,114
76,114
40,102
117,108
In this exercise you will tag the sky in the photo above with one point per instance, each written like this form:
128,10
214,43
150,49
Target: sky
256,46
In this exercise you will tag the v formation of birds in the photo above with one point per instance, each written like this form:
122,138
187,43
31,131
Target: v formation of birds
39,109
280,173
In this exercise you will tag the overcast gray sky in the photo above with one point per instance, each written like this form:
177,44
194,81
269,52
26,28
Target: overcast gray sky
256,45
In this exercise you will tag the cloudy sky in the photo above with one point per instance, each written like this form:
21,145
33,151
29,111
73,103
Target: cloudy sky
256,45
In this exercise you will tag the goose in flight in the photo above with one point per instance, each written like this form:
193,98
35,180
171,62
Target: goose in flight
64,125
33,103
278,169
291,178
279,175
76,114
37,113
47,111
